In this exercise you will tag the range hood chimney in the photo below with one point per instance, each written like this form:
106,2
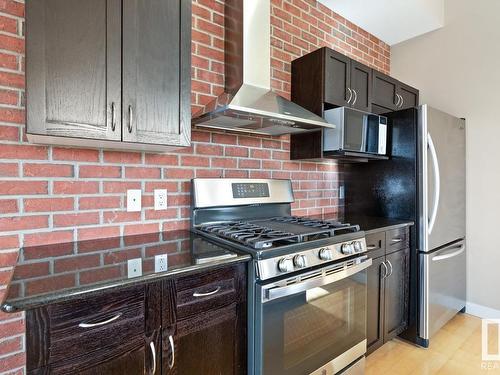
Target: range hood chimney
248,104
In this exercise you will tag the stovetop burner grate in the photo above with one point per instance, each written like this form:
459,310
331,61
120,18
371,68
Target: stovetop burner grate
277,231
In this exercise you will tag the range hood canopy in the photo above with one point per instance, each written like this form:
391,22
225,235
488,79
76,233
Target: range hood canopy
248,103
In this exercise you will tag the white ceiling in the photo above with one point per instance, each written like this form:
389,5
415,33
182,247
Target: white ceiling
393,21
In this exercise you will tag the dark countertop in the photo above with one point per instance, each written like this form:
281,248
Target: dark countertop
377,224
366,223
54,273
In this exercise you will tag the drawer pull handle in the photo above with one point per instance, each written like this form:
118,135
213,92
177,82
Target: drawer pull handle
172,347
97,324
153,353
397,239
197,294
371,247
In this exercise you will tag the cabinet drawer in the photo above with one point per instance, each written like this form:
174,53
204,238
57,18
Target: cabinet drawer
204,292
375,244
83,328
397,239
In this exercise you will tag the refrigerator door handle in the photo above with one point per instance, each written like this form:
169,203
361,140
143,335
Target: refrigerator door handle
461,249
437,187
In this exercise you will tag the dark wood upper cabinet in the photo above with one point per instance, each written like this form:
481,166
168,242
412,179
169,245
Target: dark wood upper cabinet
73,68
337,79
326,79
409,96
77,53
154,65
384,91
361,77
389,94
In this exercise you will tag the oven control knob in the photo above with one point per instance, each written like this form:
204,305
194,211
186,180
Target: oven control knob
358,246
285,265
325,254
347,249
299,261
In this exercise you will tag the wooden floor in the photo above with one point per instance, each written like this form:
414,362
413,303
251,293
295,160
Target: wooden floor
454,350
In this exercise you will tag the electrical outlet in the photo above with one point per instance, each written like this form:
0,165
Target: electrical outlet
134,200
161,263
134,267
160,199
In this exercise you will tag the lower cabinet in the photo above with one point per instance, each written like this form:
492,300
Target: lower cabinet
191,325
387,297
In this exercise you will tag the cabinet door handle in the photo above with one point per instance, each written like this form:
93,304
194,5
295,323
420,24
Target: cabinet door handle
397,100
113,116
386,270
130,118
397,239
199,294
390,265
402,101
350,95
172,348
153,354
97,324
371,247
355,96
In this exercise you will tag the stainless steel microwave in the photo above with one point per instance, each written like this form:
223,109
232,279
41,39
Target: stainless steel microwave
356,131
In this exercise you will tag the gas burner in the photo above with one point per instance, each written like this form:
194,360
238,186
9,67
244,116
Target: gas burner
277,231
255,236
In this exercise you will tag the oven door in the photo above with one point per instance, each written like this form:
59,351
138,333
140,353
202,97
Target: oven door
312,323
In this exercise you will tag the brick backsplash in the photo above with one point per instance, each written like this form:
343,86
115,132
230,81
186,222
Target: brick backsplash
54,194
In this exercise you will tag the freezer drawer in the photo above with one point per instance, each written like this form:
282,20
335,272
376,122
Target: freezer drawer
443,287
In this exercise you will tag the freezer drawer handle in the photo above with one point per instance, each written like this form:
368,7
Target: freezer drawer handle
437,182
461,249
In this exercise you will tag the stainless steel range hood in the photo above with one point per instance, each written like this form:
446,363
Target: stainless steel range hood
248,104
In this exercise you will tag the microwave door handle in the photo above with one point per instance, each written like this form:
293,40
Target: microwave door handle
273,293
437,183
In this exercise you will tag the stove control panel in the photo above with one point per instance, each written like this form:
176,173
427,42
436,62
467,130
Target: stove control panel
250,190
272,267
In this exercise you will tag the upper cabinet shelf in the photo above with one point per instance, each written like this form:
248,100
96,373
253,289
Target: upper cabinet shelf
109,73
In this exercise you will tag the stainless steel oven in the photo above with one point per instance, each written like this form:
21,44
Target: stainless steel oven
356,131
313,323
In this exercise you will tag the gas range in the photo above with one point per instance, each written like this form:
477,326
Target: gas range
285,244
307,277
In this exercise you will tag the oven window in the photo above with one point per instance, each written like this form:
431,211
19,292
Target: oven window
304,331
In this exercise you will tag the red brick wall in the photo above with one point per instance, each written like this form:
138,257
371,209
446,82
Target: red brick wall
52,194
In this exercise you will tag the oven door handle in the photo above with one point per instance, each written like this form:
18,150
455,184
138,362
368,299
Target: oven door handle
273,293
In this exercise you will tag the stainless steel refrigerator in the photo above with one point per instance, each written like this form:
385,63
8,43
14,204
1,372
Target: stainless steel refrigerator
442,246
423,181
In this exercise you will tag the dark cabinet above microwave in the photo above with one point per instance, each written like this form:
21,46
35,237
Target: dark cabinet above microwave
326,79
109,73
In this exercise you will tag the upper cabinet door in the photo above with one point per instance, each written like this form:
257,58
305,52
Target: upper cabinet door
409,96
361,78
74,68
156,71
337,78
384,90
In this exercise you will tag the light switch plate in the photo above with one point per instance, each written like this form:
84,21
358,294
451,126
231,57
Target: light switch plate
160,199
134,267
161,262
134,200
